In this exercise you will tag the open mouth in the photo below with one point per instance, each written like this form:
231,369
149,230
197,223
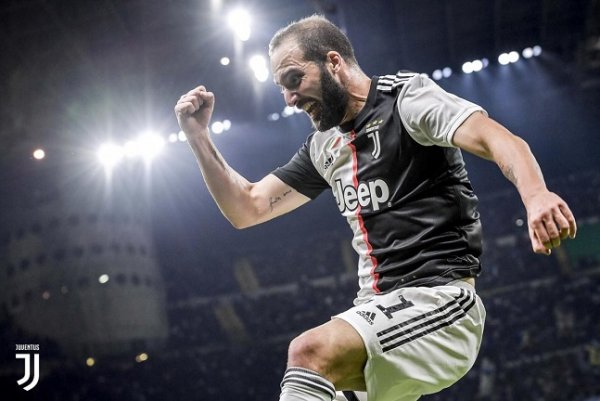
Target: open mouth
311,108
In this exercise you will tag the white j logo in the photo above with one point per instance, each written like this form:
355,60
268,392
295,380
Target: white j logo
36,370
376,146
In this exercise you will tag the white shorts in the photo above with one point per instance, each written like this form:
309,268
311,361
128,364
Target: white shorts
419,340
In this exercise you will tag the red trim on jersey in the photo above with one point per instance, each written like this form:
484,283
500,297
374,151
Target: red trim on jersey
361,223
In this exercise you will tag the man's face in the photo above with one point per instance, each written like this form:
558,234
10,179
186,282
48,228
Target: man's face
309,86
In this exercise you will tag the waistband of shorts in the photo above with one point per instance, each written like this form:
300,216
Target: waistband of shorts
462,284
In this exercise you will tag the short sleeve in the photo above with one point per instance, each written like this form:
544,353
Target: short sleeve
301,174
430,114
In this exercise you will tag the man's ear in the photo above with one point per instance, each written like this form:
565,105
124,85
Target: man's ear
334,61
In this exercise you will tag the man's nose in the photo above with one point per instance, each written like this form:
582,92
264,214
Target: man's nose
290,97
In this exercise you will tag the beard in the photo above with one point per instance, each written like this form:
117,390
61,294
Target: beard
332,108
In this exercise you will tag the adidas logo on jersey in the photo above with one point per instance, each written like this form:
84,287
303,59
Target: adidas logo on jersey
370,193
368,316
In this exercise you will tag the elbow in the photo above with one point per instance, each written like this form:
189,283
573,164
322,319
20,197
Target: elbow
238,222
239,225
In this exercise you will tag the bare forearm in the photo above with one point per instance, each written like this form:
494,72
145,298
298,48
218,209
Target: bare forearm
230,190
518,165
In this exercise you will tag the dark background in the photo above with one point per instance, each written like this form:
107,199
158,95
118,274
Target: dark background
77,74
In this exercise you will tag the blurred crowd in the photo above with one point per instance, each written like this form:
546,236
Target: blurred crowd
541,341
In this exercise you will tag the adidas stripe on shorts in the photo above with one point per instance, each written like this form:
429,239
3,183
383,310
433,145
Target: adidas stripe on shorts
419,340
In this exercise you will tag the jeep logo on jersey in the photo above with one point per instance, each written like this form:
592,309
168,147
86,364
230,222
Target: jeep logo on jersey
365,194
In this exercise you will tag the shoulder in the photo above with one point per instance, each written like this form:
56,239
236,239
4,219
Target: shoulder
393,83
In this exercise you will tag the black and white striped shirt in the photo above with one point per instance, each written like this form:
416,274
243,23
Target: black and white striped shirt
400,183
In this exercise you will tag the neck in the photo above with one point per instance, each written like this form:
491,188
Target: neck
358,85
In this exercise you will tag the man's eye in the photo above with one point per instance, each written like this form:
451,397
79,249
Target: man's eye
292,82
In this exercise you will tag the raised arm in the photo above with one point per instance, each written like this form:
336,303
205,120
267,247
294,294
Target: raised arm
242,202
549,218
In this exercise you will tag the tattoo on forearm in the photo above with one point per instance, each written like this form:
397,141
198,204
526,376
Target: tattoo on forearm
507,170
286,193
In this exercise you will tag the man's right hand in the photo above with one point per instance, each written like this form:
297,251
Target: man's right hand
194,110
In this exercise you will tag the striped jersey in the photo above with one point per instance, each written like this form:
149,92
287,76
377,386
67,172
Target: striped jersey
400,183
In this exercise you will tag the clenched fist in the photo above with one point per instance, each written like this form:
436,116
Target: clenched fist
194,110
550,220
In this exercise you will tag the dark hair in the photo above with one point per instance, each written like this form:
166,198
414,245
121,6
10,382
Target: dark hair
316,36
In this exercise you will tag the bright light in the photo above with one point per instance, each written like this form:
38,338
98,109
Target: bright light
537,50
150,145
239,22
173,137
217,127
225,61
258,64
131,149
141,357
226,125
261,75
110,155
39,154
273,117
90,361
103,279
447,72
485,62
504,59
287,111
527,52
437,75
477,65
467,67
181,136
513,57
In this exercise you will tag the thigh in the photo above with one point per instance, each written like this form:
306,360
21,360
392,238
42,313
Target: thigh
418,340
336,350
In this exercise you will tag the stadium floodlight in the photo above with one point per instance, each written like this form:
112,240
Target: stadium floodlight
173,137
217,127
437,75
261,75
485,62
225,61
477,65
131,149
537,50
258,64
103,279
287,111
181,136
150,145
110,155
447,72
273,117
39,154
467,67
226,125
527,52
504,59
513,56
239,21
